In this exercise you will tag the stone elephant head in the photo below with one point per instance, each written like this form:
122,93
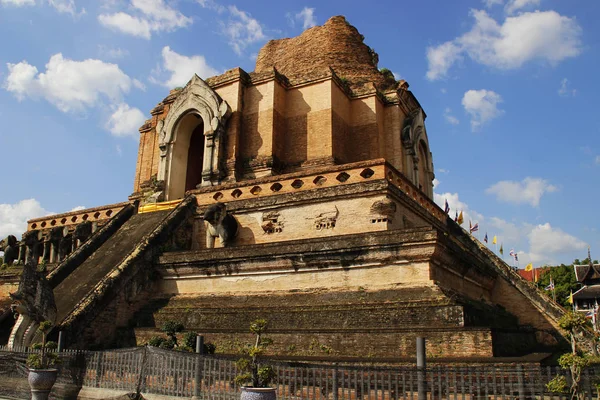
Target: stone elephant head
219,224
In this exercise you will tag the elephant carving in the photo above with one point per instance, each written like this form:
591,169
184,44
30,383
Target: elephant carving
11,251
219,224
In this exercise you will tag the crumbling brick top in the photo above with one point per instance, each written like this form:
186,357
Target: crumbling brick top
336,44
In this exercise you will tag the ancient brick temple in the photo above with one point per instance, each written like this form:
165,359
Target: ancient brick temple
300,193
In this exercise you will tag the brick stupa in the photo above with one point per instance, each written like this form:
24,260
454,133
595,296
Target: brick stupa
300,193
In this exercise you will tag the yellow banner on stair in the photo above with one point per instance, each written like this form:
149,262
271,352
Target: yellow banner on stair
152,207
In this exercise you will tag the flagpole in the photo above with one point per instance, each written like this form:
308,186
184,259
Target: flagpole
553,289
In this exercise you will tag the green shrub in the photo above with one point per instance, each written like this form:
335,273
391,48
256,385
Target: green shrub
43,359
167,344
558,384
253,371
189,339
156,341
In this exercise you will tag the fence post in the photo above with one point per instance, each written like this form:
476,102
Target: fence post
61,342
521,382
335,382
199,363
98,369
200,344
421,369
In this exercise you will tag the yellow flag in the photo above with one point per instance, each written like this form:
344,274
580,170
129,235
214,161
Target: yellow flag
529,267
460,218
570,300
494,240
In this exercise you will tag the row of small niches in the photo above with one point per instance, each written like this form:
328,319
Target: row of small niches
74,218
297,184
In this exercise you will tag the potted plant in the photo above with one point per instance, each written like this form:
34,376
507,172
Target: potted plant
42,375
254,372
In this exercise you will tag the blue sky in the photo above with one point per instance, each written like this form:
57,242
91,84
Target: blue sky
509,88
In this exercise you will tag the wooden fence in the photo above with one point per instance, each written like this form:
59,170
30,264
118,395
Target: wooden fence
149,370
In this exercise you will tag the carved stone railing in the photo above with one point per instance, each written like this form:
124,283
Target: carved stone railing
102,214
322,177
397,179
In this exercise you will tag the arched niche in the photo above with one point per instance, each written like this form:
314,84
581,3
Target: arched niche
418,163
197,108
187,156
424,173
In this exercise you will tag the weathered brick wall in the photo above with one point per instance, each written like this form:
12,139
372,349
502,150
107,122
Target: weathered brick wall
356,308
336,44
364,131
361,323
233,94
393,121
469,343
257,126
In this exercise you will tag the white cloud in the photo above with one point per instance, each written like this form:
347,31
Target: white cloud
436,182
397,76
112,52
598,159
127,24
125,120
544,240
512,5
66,6
212,5
441,58
307,17
482,106
150,16
62,6
17,3
14,217
541,35
451,119
443,171
491,3
565,90
534,243
515,5
528,191
182,68
78,208
71,86
139,84
241,30
508,232
457,206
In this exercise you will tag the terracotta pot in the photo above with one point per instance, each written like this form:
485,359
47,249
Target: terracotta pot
41,382
252,393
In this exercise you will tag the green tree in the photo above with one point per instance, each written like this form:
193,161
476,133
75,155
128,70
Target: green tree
564,282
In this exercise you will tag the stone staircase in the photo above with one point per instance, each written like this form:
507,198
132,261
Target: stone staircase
119,266
83,280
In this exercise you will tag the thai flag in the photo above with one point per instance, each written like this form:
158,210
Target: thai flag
550,286
446,207
590,314
485,239
475,228
512,252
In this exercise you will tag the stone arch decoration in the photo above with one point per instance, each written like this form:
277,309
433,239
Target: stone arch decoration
200,99
414,135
